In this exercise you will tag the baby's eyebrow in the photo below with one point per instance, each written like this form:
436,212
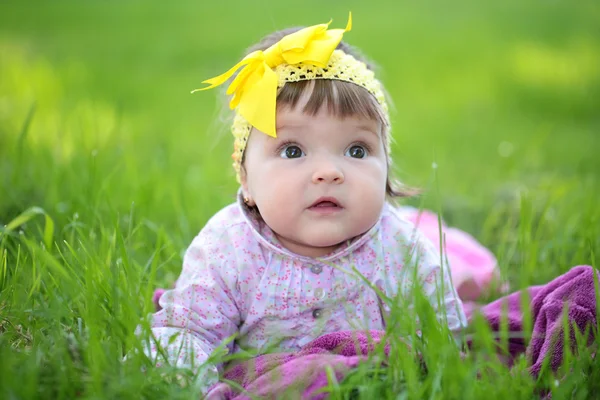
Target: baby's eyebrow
370,129
367,128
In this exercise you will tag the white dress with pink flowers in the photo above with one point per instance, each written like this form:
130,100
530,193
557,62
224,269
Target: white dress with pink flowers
238,280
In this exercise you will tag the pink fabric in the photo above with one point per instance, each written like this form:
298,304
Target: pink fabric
304,373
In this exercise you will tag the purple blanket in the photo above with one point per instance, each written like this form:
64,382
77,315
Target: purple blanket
305,372
572,294
281,374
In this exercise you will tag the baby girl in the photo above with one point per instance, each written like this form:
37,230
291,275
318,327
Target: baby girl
282,266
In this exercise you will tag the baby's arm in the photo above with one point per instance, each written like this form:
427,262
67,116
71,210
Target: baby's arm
199,313
435,280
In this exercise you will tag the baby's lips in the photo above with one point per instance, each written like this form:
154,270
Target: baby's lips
326,199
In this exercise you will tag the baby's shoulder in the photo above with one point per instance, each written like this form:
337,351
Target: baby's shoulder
227,222
400,231
395,223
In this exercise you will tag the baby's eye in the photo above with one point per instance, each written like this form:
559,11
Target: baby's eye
291,152
356,151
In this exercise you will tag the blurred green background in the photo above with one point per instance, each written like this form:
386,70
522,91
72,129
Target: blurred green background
99,130
97,123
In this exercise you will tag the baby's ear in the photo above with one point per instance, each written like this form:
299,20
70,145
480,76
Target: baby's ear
245,191
244,181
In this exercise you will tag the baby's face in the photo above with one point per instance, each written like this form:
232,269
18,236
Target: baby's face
320,182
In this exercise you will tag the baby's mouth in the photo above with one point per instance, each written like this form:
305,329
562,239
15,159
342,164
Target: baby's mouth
326,203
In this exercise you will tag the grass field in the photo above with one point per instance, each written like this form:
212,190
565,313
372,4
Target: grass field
109,167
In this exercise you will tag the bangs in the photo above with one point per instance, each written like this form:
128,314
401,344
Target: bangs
342,99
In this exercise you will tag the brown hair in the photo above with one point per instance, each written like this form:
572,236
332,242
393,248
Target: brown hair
342,98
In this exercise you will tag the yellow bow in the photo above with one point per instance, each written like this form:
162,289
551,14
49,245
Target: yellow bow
254,89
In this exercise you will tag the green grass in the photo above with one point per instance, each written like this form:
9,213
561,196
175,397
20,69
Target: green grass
98,131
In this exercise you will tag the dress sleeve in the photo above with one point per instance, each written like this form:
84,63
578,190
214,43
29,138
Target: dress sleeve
435,280
200,312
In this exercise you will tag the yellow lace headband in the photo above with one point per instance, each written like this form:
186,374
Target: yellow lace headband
303,55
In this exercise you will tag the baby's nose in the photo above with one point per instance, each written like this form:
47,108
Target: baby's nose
328,172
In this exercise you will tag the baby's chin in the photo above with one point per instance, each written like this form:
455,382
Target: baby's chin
311,247
324,240
320,241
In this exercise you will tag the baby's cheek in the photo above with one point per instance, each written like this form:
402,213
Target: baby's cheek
371,183
277,217
370,201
